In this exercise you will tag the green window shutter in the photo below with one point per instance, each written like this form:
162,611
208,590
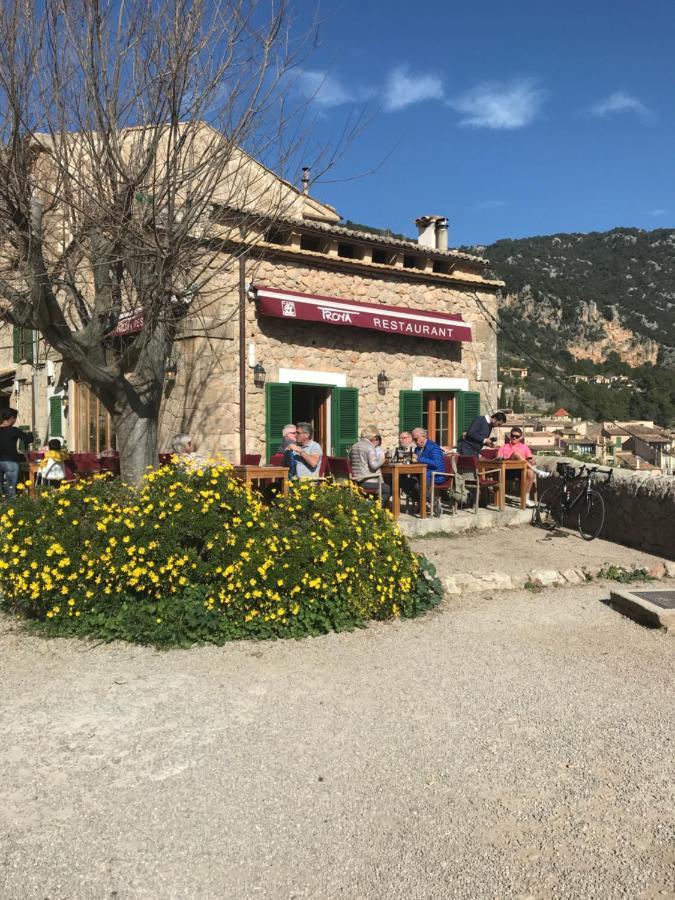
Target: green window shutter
468,407
16,340
409,410
55,416
28,335
22,344
344,419
277,414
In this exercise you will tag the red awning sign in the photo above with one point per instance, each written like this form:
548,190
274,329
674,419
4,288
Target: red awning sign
434,326
130,323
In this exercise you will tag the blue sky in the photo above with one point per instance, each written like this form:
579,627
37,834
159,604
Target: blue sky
513,118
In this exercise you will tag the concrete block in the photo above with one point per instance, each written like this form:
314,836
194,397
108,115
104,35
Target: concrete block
641,610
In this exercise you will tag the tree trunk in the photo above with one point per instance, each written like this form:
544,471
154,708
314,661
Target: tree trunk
137,443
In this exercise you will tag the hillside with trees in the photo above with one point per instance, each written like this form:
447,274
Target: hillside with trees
586,304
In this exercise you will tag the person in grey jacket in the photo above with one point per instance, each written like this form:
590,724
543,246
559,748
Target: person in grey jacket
367,458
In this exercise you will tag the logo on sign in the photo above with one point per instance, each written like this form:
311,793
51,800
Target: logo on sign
288,308
334,315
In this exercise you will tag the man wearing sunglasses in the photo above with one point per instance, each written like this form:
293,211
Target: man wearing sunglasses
516,448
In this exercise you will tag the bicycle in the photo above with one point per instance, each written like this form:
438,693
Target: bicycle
559,500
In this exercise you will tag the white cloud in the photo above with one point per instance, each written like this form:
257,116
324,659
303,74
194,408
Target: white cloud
658,212
322,88
495,104
403,89
620,102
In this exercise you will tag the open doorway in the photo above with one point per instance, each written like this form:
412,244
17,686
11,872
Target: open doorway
311,403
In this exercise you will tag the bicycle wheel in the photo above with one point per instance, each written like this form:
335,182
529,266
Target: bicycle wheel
549,512
591,515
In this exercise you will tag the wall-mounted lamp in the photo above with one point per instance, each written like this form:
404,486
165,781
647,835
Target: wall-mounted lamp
382,382
170,370
259,375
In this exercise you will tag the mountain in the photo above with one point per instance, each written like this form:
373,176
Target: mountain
584,296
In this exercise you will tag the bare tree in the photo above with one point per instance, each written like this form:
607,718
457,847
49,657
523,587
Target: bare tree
128,138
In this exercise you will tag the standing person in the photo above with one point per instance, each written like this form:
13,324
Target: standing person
367,458
478,435
516,448
9,455
305,452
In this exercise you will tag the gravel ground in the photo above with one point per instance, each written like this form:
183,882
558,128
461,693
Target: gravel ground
522,548
517,746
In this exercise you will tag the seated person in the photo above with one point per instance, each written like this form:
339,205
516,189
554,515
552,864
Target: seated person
515,448
429,453
367,458
185,449
305,453
51,468
478,434
406,448
288,433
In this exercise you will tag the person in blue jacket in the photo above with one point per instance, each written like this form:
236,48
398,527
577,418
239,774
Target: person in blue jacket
429,453
478,434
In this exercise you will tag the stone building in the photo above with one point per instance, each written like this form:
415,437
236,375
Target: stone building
316,322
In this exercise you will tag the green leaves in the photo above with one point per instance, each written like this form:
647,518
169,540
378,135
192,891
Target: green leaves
193,556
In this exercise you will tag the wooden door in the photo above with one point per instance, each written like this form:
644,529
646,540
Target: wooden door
438,417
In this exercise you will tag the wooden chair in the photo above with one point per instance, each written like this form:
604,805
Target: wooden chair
444,487
85,463
340,468
110,464
489,453
250,459
476,480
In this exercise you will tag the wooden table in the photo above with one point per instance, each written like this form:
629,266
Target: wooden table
249,474
394,471
502,466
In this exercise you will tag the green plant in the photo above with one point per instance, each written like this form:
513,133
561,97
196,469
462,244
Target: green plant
623,575
192,555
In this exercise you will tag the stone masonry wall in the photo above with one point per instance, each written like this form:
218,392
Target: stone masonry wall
361,354
204,400
640,509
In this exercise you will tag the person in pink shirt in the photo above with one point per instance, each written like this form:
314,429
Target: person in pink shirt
515,448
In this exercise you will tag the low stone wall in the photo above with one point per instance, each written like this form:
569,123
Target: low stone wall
640,508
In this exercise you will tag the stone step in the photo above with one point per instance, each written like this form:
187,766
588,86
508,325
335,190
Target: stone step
537,579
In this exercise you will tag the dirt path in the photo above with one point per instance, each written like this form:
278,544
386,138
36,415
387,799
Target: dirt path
501,747
522,548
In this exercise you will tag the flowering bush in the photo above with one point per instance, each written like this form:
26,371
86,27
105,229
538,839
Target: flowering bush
193,555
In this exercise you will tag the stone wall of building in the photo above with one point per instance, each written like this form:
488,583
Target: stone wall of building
640,509
361,354
204,399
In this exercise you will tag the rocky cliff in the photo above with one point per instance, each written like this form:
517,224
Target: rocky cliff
588,295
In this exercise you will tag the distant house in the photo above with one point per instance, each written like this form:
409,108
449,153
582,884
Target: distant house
514,372
561,414
652,447
628,460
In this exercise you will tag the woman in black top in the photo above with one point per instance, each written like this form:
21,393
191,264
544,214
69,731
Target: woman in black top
9,455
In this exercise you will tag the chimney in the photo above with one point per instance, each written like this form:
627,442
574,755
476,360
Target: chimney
432,232
442,234
305,179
